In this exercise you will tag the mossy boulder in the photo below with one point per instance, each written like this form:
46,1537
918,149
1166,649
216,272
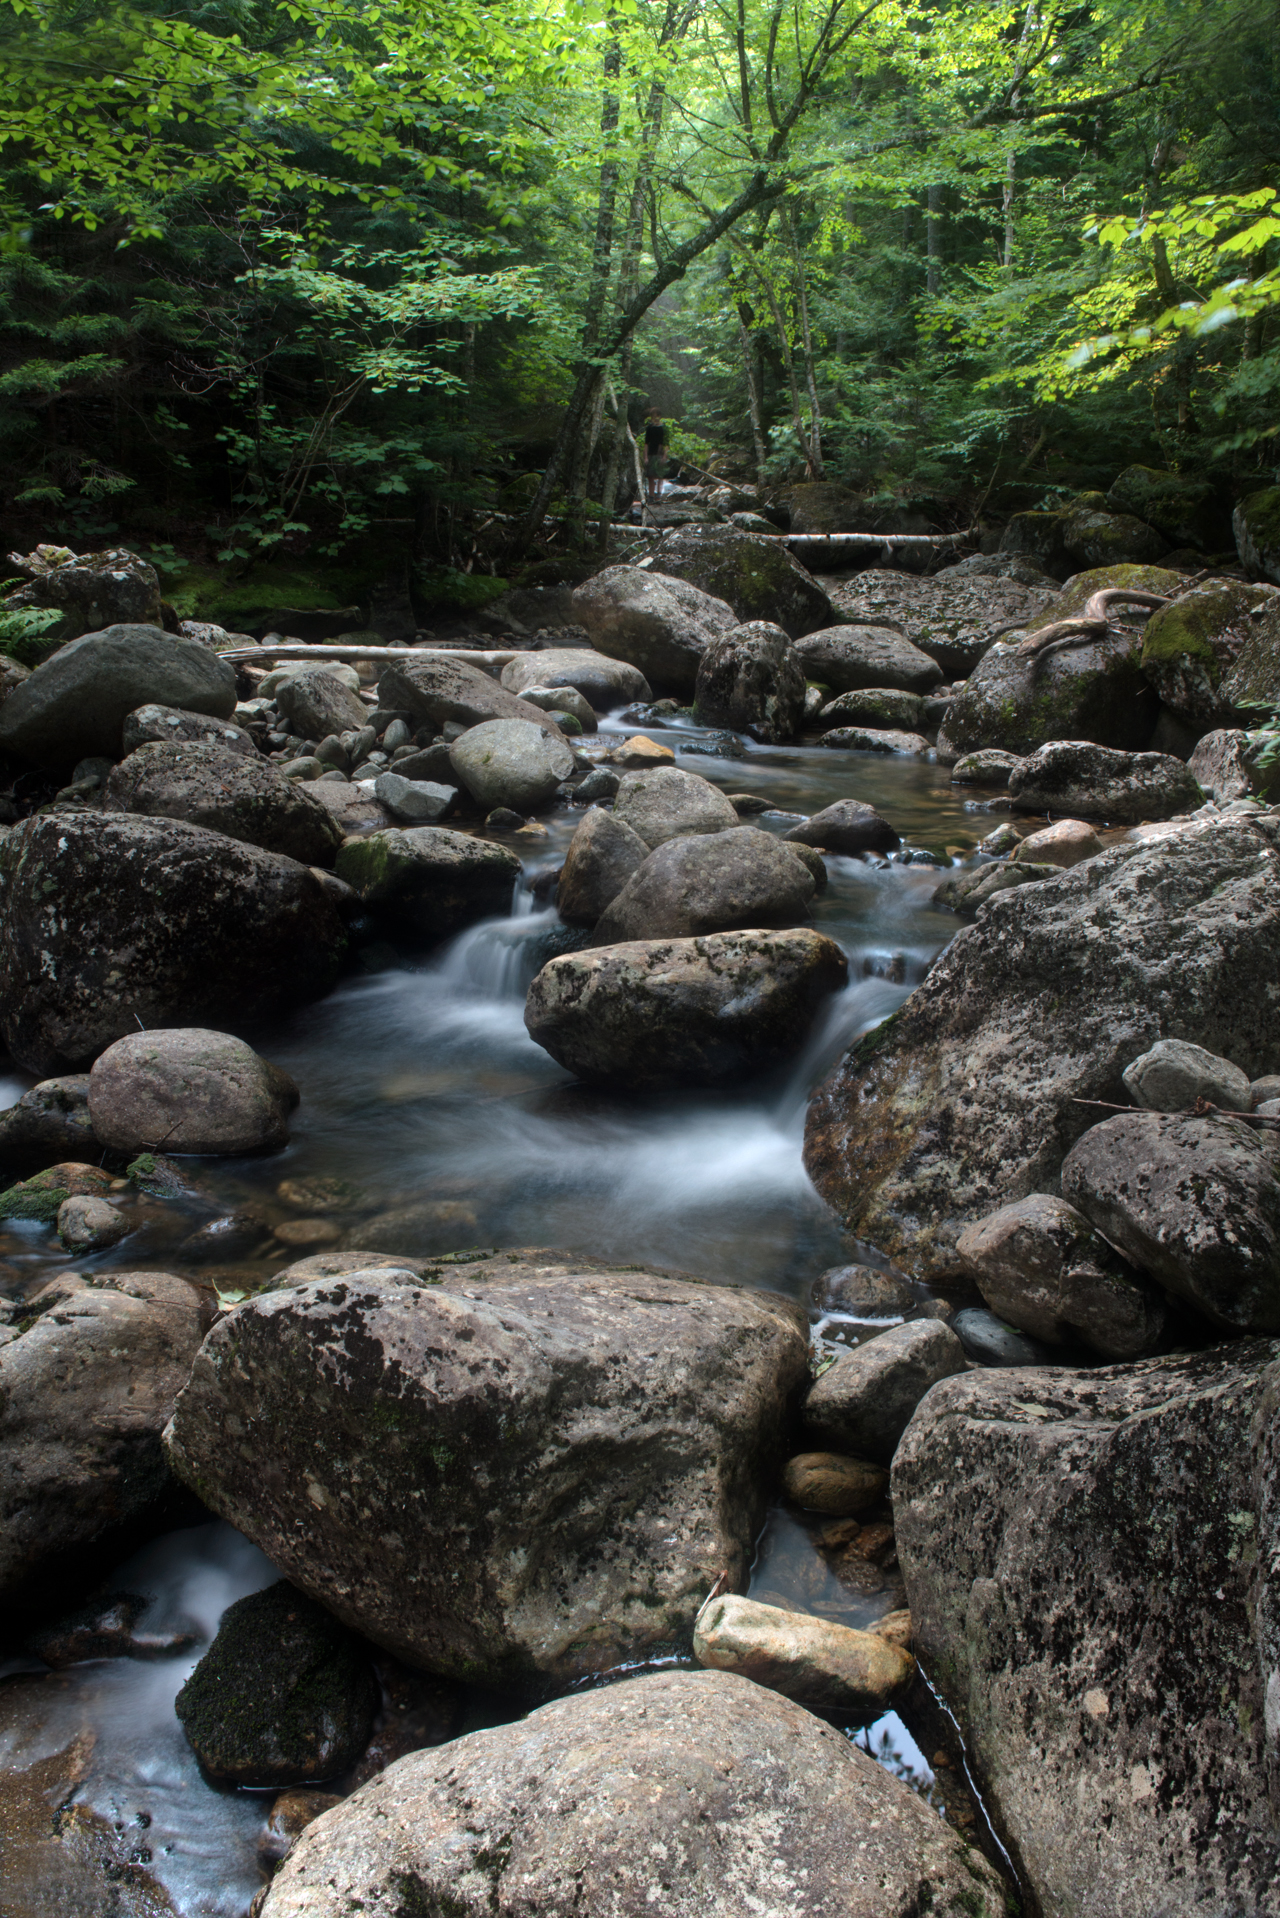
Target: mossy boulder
1092,690
1188,512
1189,646
1096,538
1253,681
754,575
283,1696
428,880
1041,537
41,1197
1081,587
1256,521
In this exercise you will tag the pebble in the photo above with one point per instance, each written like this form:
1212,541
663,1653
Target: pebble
639,753
1065,843
991,1342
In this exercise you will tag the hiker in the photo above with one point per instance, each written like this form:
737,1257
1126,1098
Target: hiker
655,453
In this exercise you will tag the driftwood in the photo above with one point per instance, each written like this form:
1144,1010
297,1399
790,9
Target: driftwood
1092,621
488,661
1202,1109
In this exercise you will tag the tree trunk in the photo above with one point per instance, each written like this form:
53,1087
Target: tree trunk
814,449
933,241
754,407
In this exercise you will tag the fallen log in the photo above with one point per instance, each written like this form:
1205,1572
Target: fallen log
488,660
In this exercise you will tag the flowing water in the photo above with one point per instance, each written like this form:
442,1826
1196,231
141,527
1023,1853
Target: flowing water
448,1127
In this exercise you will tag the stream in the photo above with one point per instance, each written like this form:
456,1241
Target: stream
430,1121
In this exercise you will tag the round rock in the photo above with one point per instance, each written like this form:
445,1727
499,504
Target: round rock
189,1090
849,827
718,882
1172,1074
76,703
667,803
511,762
864,1402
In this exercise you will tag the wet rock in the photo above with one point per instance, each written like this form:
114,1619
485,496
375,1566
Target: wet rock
1172,1074
90,590
715,882
667,803
445,691
187,1089
317,703
288,1818
86,1389
851,658
817,1663
169,726
990,767
878,707
750,679
91,1225
41,1197
657,625
1079,1555
661,1012
53,1117
989,1341
77,702
612,1792
831,1482
1064,844
863,1291
602,681
953,616
415,802
758,577
1078,776
105,1628
566,704
457,1421
1225,765
1194,1202
429,1225
966,1099
639,754
867,739
849,827
863,1402
429,880
603,783
1190,647
509,762
283,1695
1042,1268
602,855
108,923
247,799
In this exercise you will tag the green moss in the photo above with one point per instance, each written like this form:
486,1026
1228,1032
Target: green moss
31,1200
442,590
1261,515
1082,587
212,593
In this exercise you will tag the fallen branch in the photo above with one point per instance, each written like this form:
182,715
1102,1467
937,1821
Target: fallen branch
1090,623
1202,1109
296,649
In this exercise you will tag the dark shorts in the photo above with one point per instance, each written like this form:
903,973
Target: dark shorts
655,466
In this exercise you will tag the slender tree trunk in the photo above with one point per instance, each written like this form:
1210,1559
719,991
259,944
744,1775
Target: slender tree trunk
933,241
1011,164
597,285
751,371
814,450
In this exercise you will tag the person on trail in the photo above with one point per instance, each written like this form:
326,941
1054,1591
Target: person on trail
655,453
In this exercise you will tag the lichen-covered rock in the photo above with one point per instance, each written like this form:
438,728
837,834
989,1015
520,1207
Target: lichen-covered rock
870,739
876,706
317,703
1079,1550
1225,765
953,616
605,682
966,1099
850,827
755,575
989,767
51,1120
522,1469
510,762
751,680
715,882
86,1390
1189,647
429,687
226,792
850,659
692,1794
429,880
658,625
189,1090
168,725
89,590
41,1197
863,1402
1256,521
827,1666
1254,680
1091,537
75,705
1077,776
602,855
1173,1074
108,923
668,803
283,1696
660,1012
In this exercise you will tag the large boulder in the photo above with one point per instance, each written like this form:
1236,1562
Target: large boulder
1091,690
665,1012
690,1794
189,1090
953,616
849,658
967,1098
87,1386
1083,1552
1091,536
511,762
89,591
667,803
75,705
755,575
1194,1202
1188,648
882,707
1256,522
659,626
1253,682
602,855
429,880
226,792
1188,512
717,882
751,680
429,687
108,924
850,826
862,1403
605,682
1075,776
556,1458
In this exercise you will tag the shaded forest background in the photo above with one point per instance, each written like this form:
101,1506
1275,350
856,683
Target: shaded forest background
294,291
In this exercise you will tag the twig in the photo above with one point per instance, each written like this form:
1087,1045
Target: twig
1202,1109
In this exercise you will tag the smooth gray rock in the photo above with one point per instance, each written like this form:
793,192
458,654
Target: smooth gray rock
417,802
186,1089
445,691
1194,1202
848,827
1040,1266
987,1340
1075,776
510,762
317,703
716,882
225,792
667,803
1172,1074
602,855
168,725
429,880
660,1012
556,1457
758,577
751,681
76,703
604,682
663,1794
991,767
109,923
952,616
863,1402
563,699
968,1098
851,658
86,1389
878,707
659,626
1083,1553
